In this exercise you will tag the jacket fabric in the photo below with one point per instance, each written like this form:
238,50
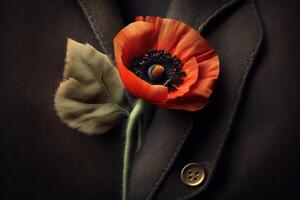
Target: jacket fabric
246,137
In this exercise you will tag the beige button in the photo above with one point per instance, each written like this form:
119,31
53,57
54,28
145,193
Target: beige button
193,174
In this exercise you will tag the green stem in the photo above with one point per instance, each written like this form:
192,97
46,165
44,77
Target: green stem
133,117
139,136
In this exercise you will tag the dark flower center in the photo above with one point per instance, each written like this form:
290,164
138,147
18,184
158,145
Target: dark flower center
159,67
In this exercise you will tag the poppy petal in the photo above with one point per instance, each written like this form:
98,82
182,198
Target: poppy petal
192,103
190,45
133,40
130,42
197,96
155,21
208,74
169,31
191,69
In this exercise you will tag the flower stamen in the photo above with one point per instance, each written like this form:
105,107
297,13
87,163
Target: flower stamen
159,67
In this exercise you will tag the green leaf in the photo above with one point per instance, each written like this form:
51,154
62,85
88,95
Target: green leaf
91,98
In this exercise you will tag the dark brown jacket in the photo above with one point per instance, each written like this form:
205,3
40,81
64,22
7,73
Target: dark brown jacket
247,138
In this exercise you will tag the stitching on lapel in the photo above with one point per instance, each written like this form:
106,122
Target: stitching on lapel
216,13
251,61
97,33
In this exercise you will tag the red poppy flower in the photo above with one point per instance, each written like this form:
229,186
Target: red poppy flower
166,62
